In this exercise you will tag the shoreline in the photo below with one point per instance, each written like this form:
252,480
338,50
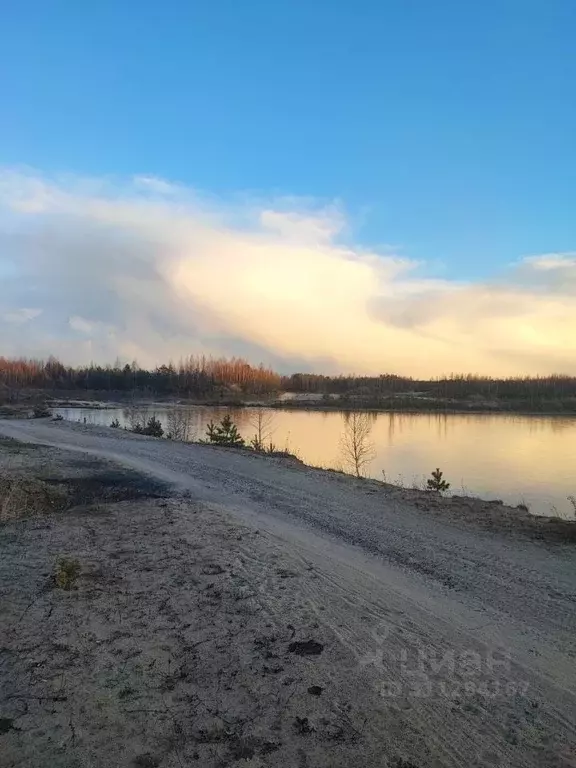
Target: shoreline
548,503
488,512
290,406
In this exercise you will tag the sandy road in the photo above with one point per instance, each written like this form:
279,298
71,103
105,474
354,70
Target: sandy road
468,634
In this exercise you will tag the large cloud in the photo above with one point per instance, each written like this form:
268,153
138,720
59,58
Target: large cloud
95,269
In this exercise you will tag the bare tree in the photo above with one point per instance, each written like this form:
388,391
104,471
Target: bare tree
135,417
261,422
356,447
179,423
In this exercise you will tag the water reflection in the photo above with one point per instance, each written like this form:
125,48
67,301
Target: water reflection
528,459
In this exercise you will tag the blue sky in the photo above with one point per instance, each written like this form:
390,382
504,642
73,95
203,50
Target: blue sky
446,128
322,185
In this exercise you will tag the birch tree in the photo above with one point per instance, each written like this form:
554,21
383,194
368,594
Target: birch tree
356,446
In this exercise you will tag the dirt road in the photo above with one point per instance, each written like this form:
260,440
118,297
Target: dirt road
459,642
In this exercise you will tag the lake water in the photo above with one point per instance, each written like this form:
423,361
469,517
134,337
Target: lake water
519,459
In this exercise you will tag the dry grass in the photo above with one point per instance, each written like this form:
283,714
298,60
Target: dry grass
67,572
21,496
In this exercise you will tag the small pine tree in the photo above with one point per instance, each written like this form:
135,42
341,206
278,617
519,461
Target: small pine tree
257,445
436,482
153,428
211,433
226,433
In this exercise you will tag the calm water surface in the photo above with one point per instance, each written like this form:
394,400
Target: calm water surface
520,459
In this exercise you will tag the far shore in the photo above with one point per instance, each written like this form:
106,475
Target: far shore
288,405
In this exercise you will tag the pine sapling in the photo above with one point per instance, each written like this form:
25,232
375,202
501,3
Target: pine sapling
436,482
225,433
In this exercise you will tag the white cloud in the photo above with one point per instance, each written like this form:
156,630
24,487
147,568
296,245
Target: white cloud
152,270
552,261
81,325
19,316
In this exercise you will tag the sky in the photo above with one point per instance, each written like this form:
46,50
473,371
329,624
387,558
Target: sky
326,185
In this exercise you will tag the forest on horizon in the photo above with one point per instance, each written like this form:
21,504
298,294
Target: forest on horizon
229,379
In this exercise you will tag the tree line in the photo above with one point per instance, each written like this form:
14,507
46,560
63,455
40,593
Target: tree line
453,386
206,377
195,376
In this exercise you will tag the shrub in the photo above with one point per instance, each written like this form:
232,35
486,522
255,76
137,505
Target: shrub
41,411
436,482
225,433
179,424
115,424
261,447
256,444
153,428
67,571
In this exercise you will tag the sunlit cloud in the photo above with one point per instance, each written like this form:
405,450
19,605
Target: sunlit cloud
149,270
